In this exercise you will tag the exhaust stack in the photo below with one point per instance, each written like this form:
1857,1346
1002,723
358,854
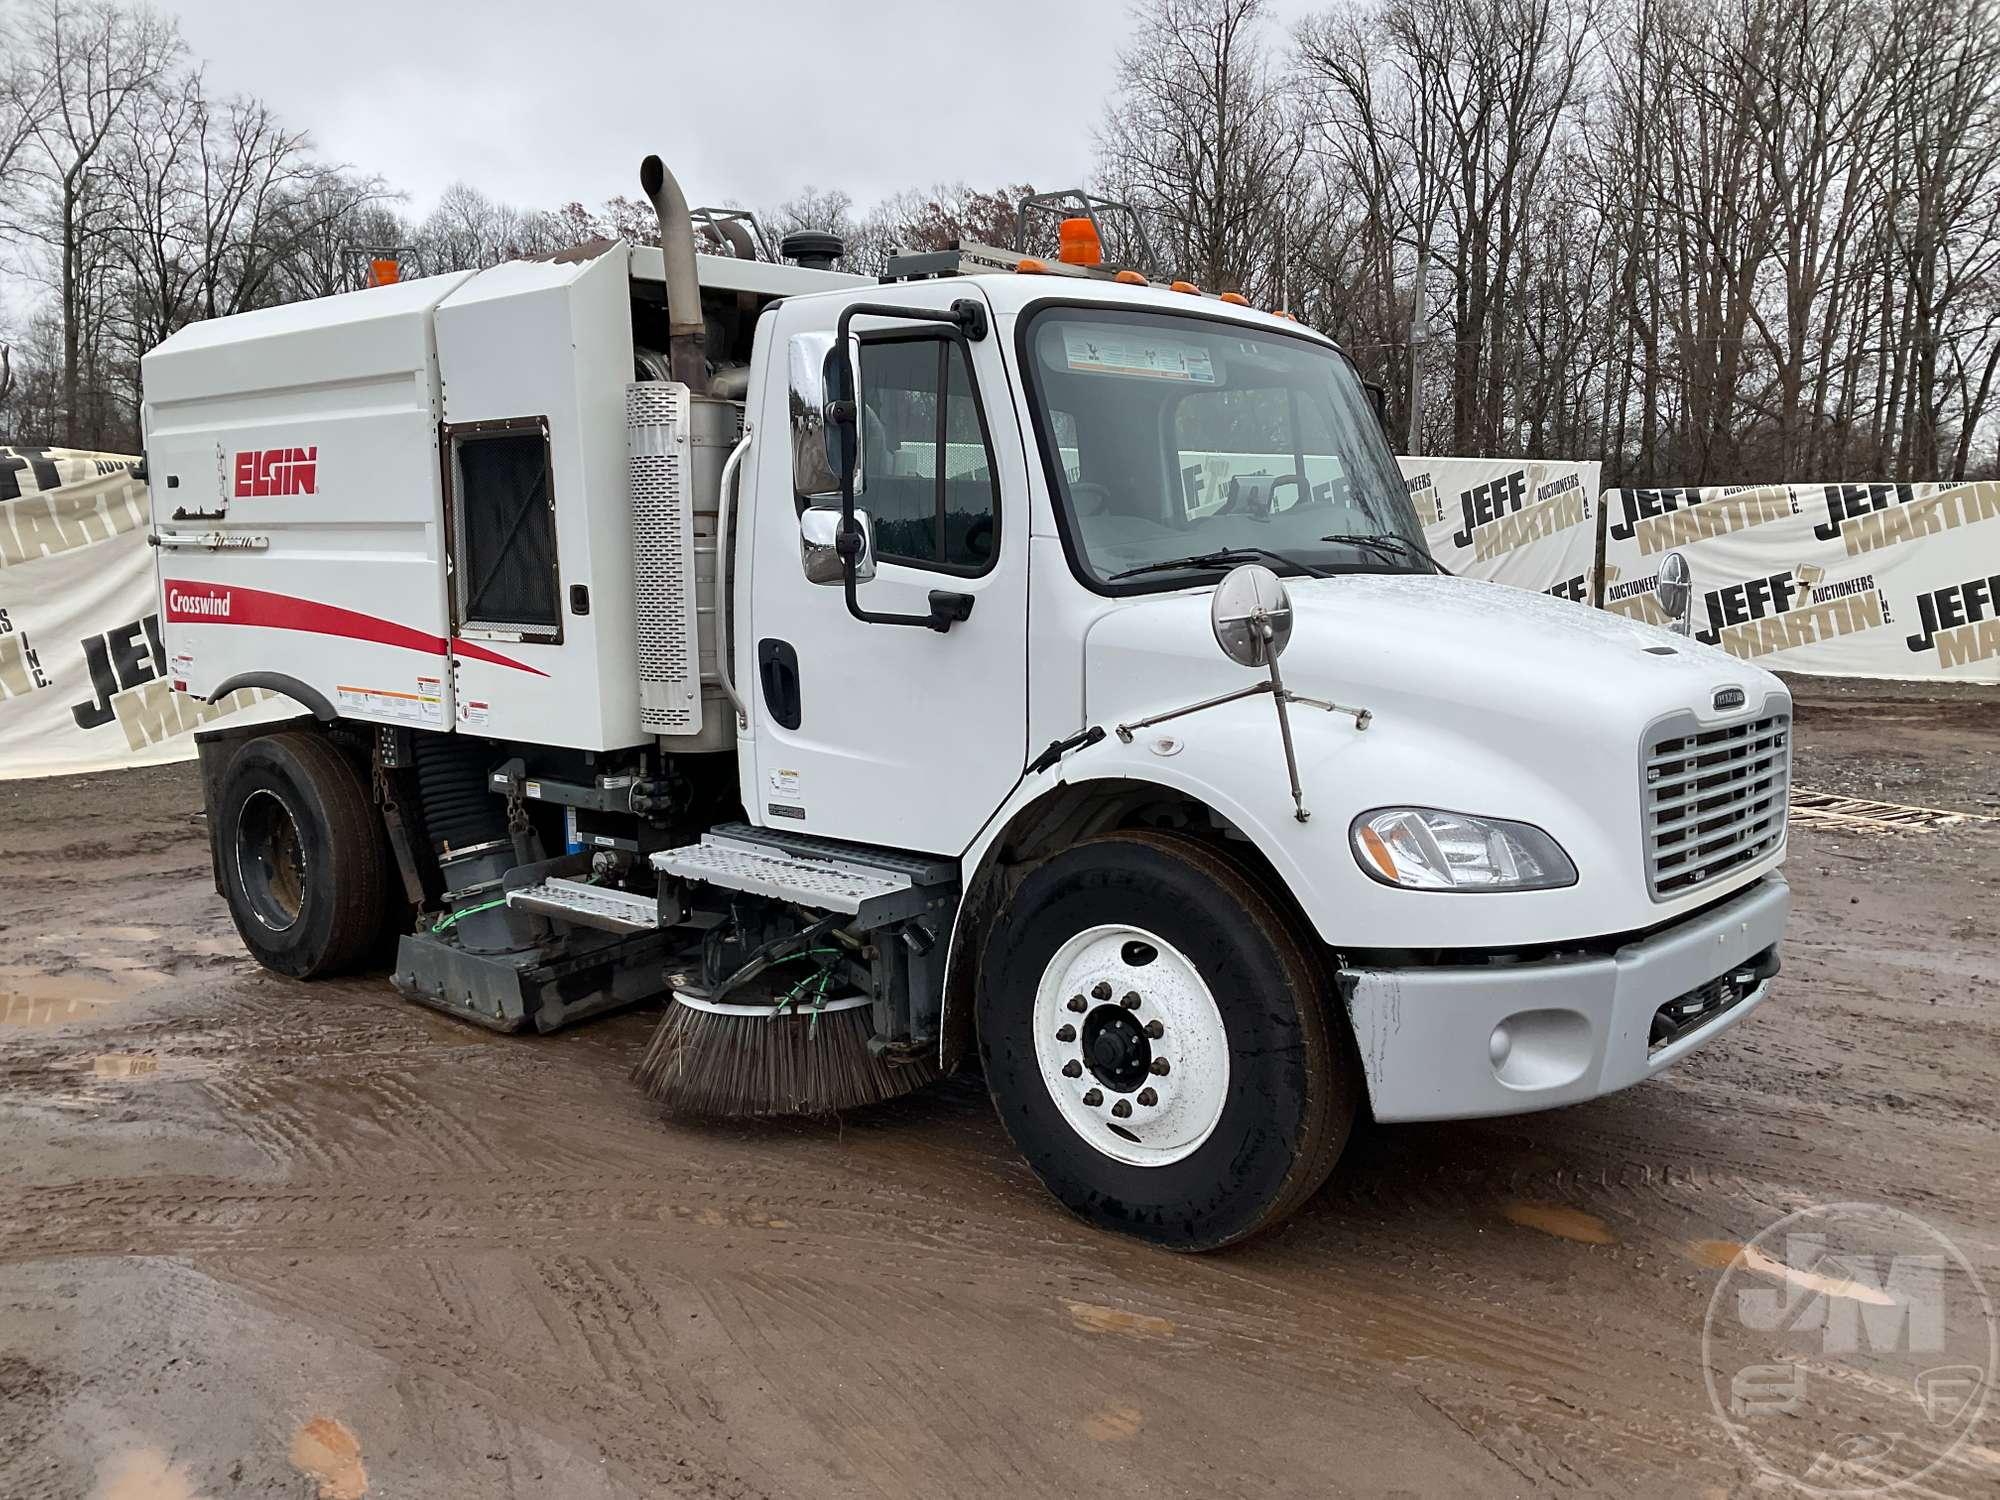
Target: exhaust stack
686,335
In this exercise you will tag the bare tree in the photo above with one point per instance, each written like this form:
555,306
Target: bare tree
94,60
327,225
1204,137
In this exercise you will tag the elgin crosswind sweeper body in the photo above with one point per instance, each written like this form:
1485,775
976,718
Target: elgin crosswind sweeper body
883,670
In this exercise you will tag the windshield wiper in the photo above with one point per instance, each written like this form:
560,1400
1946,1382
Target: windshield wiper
1221,557
1389,542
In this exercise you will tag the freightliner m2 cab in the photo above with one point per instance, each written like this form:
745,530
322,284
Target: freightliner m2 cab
1042,665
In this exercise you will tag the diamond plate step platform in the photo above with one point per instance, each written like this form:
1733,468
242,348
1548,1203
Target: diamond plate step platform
873,886
588,905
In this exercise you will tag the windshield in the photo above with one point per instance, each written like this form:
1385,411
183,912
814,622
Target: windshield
1177,442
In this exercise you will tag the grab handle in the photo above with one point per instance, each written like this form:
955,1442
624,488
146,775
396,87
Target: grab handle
722,519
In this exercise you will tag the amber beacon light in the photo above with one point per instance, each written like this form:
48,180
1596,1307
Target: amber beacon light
1077,243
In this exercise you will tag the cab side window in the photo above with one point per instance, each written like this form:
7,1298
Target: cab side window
926,463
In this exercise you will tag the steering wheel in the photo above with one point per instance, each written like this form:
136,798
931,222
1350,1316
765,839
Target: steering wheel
1245,501
1088,499
1295,482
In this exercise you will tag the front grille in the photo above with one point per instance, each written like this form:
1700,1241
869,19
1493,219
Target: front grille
1715,800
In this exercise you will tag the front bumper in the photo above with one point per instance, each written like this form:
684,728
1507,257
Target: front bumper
1456,1043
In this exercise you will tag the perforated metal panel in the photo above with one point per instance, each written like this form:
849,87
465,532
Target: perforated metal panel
658,444
850,887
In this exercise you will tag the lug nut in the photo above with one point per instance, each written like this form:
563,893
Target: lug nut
1122,1109
1148,1098
1072,1069
1066,1034
1155,1030
1162,1067
1131,1000
1076,1004
1102,990
1094,1098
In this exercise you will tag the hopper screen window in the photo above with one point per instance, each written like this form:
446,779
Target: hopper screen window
503,504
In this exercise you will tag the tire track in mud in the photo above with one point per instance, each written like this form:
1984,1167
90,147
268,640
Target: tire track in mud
884,1306
1252,1322
508,1371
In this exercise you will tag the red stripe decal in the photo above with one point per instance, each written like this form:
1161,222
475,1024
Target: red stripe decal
230,604
480,653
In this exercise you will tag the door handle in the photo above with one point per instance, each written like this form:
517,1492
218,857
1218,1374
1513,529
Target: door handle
778,670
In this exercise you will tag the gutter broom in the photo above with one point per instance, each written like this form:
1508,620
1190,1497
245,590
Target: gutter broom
748,1048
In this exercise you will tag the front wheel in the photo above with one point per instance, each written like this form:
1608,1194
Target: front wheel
1157,1043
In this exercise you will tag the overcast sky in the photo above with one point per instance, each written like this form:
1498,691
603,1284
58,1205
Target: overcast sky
541,101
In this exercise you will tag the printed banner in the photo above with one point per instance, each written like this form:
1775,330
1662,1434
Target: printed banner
1852,580
1529,523
84,681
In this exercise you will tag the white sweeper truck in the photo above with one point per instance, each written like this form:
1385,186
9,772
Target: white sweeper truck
1004,655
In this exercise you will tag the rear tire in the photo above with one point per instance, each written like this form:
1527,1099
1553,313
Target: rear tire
1177,958
301,853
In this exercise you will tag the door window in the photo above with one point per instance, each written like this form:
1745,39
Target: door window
926,463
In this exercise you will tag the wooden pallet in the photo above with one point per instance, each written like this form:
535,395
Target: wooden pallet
1824,810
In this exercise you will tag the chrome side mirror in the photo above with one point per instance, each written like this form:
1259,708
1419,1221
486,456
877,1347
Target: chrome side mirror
1251,615
1675,590
819,526
815,461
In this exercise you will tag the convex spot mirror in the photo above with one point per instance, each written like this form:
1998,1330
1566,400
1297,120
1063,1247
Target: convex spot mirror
1675,589
1252,615
819,447
819,532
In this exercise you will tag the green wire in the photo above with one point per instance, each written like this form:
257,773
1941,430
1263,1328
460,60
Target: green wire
471,911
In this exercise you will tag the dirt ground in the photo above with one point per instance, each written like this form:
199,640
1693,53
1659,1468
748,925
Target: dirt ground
258,1238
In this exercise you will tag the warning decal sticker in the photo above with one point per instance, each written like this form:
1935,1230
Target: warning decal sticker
425,706
1100,349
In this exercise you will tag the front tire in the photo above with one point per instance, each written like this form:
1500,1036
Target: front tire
300,850
1157,1043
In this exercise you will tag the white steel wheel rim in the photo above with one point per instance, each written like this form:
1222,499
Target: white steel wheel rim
1146,1106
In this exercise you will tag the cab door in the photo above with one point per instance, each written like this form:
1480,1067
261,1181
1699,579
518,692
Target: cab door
892,734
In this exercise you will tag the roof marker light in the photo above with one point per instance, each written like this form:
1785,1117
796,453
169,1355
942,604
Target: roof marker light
1279,312
1131,278
1186,286
1077,243
1235,299
1032,267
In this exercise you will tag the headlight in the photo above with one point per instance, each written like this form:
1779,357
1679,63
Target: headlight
1423,849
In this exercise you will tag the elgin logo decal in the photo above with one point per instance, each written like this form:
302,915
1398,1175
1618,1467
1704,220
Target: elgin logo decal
277,471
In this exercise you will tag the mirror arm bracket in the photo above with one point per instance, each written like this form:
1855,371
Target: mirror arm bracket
1282,697
967,318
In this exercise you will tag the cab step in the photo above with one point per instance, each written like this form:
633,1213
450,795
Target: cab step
874,886
584,905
